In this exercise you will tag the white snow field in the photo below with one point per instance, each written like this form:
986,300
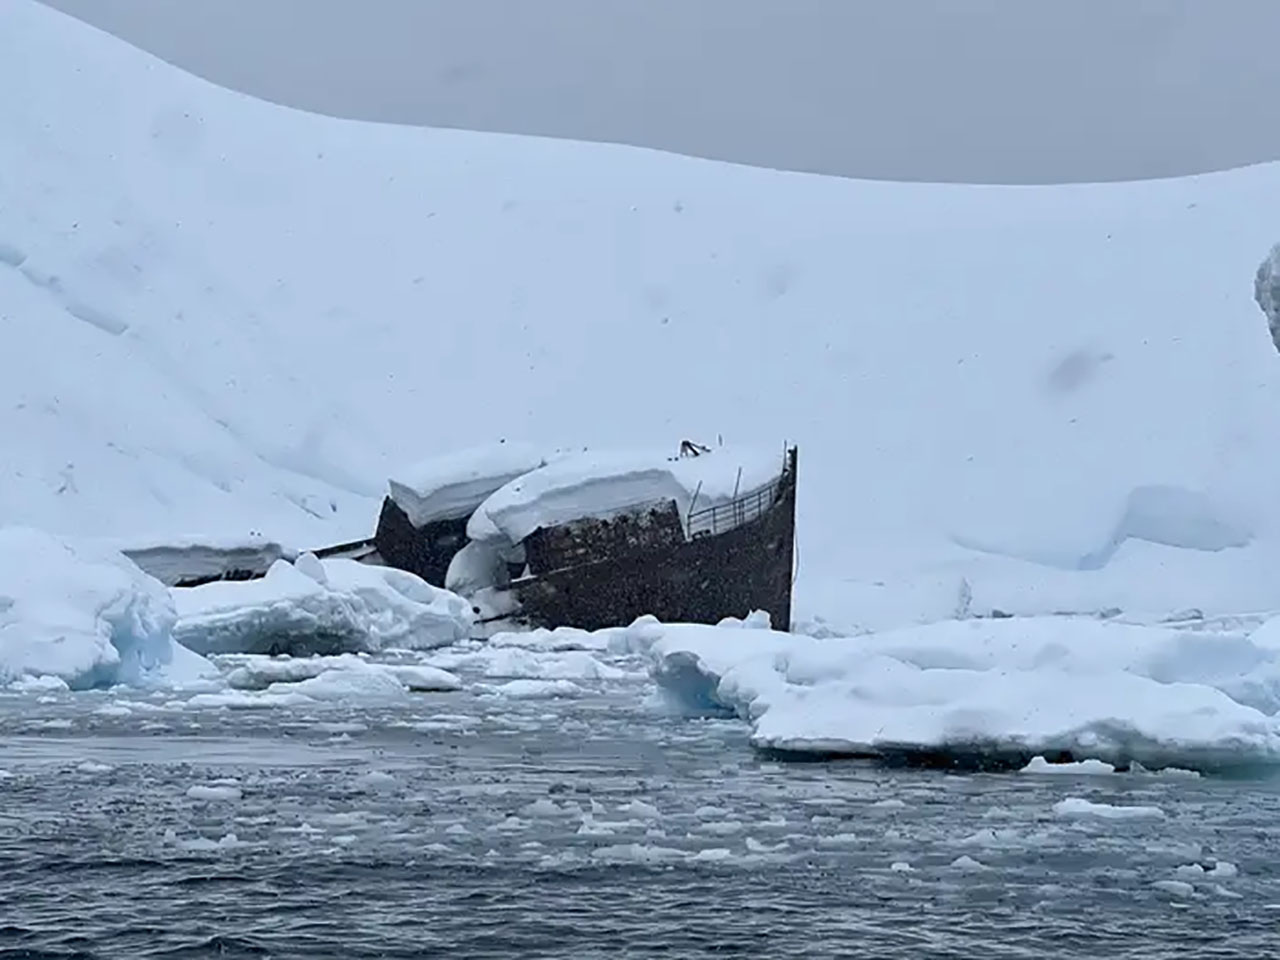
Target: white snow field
226,319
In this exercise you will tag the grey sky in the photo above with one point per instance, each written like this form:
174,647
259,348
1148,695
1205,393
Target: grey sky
971,90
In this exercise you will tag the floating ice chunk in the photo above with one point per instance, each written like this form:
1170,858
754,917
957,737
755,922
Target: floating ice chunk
208,792
239,700
560,640
638,808
838,840
527,664
1104,691
113,710
591,827
890,803
39,684
1078,768
968,864
721,828
1175,888
712,855
92,766
638,853
709,812
535,689
257,672
355,607
376,781
1223,870
80,612
544,807
1180,851
423,678
355,681
991,838
1178,772
901,866
1190,871
1073,807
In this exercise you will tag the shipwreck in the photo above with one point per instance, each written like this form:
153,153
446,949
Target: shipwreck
585,538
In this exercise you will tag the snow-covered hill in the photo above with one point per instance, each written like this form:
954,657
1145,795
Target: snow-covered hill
220,316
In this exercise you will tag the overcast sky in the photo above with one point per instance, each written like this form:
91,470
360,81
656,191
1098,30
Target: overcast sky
1009,91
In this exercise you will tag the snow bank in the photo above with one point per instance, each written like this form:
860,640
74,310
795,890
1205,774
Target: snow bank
606,483
1007,690
320,606
84,614
452,485
191,558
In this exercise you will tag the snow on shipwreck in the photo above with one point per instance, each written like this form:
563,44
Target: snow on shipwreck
597,538
585,538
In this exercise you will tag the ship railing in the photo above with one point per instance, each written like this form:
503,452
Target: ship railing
726,516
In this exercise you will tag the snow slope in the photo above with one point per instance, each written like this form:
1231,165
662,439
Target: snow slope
221,318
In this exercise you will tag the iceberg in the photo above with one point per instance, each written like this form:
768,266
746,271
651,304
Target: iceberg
320,606
998,692
85,614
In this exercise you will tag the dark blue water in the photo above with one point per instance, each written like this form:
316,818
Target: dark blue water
463,825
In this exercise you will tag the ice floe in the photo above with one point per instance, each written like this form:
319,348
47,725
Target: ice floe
1077,807
78,614
534,689
985,690
320,606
